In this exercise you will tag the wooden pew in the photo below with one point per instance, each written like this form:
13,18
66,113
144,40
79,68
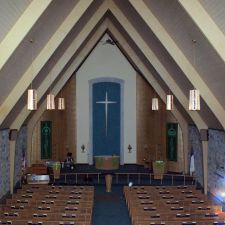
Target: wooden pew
29,222
49,205
149,205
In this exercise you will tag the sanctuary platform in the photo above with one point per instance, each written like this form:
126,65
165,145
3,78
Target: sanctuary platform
83,174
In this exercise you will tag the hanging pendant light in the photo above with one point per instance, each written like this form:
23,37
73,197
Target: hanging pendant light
61,104
169,102
50,102
50,97
32,93
32,99
194,95
194,100
155,104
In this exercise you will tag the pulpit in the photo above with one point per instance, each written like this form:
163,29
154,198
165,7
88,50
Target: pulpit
108,182
107,162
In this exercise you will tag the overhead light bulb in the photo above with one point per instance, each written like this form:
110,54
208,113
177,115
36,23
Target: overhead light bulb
50,102
194,100
32,99
169,102
155,104
61,104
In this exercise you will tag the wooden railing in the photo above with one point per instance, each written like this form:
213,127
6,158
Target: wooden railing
170,178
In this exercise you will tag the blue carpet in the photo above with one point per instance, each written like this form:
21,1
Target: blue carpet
110,208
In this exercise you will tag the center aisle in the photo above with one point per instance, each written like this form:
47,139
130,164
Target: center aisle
110,208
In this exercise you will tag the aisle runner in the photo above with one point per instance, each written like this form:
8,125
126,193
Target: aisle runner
110,208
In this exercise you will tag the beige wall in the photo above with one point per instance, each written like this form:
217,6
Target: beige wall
107,63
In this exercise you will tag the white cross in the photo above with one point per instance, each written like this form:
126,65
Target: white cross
106,102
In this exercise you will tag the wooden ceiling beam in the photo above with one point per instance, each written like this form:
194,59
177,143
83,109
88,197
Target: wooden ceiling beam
43,57
155,61
21,28
179,57
62,62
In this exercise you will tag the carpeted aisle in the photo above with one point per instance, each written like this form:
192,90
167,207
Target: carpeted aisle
110,208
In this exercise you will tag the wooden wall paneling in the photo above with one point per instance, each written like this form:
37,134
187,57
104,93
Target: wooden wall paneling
63,126
143,119
151,125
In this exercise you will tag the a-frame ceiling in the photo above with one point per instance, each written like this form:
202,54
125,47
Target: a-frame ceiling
159,32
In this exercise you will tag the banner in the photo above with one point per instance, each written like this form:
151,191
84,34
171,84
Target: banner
46,139
172,141
106,118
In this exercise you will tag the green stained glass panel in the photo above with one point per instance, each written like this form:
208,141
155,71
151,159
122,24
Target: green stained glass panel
172,141
46,139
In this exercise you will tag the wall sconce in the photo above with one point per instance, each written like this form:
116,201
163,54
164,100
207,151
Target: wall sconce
129,148
83,147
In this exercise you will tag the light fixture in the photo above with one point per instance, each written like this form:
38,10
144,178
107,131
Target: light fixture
155,104
50,97
61,103
169,102
82,147
32,99
194,95
129,148
32,93
50,102
194,100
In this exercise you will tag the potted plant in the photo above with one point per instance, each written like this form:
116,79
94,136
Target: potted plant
158,169
56,167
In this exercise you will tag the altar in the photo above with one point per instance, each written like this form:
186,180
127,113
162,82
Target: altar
107,162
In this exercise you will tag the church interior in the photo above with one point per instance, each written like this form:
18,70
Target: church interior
114,110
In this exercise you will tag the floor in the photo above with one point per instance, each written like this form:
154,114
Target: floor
110,208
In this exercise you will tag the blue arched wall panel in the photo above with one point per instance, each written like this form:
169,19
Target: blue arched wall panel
106,118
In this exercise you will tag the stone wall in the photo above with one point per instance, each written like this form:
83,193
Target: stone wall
20,151
216,162
195,145
4,163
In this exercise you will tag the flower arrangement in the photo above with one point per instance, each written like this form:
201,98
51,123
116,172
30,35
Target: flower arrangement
159,164
158,169
56,165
